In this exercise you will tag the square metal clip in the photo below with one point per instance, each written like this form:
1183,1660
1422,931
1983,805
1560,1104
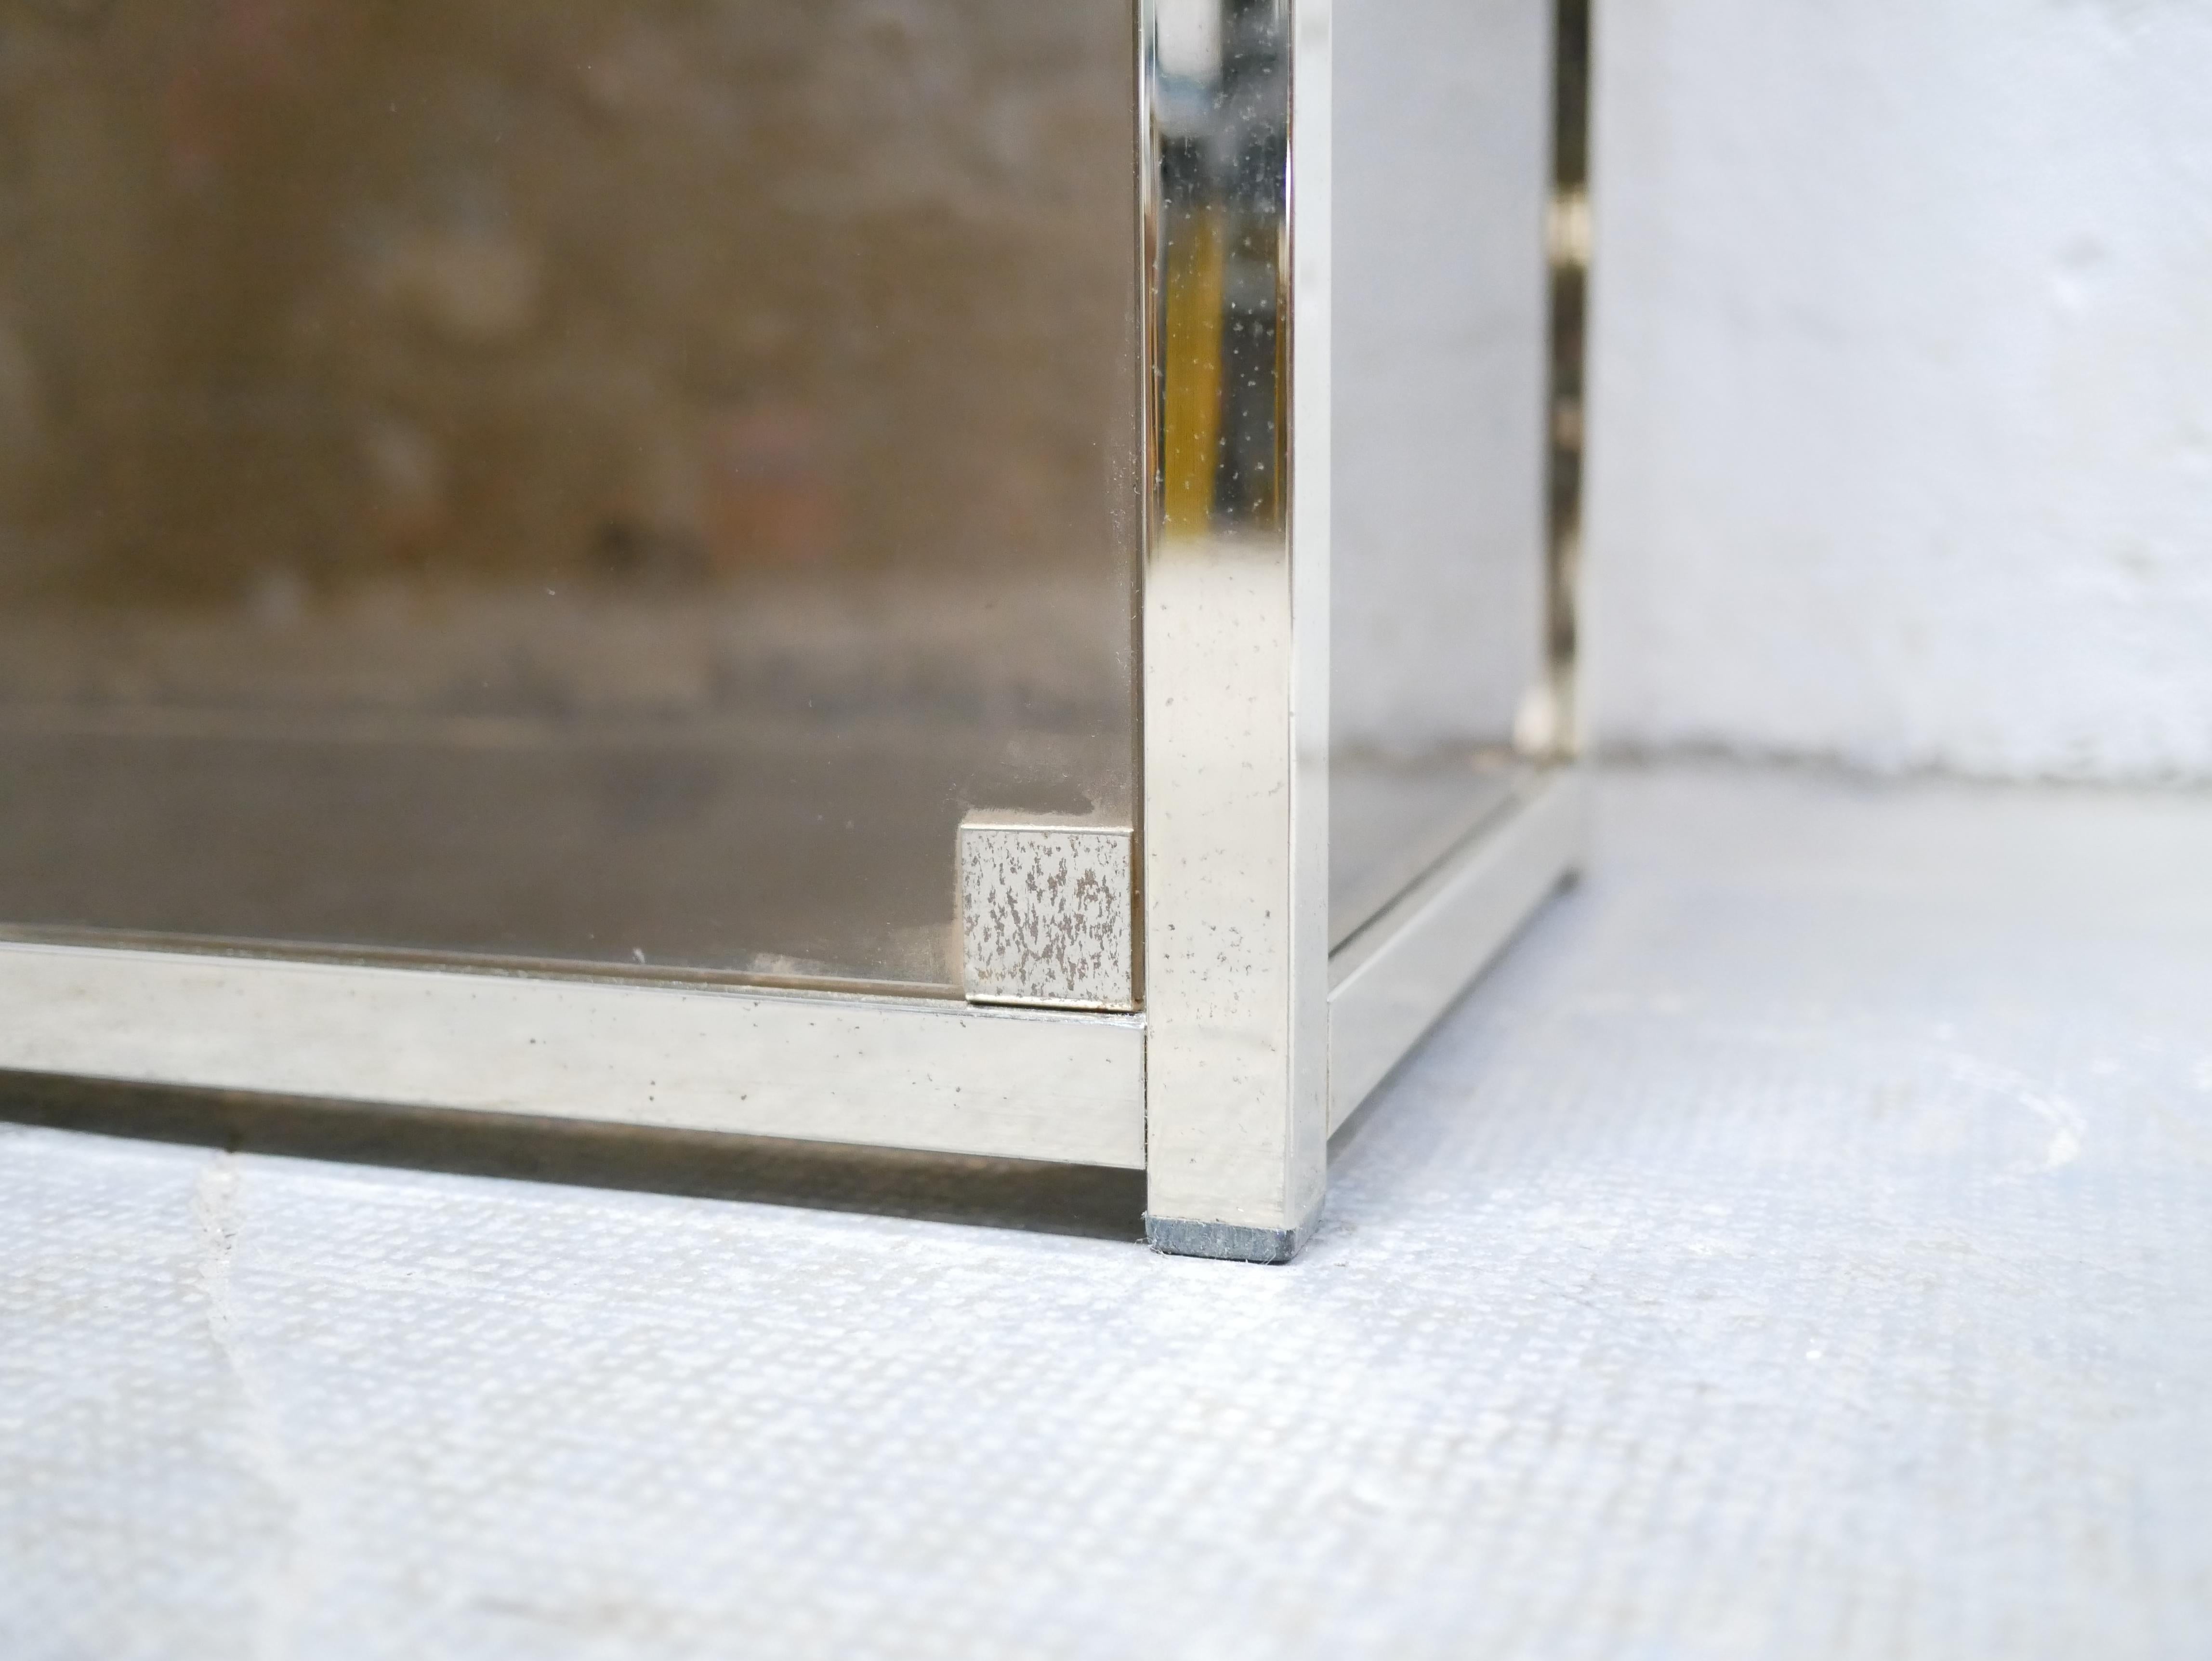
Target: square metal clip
1046,911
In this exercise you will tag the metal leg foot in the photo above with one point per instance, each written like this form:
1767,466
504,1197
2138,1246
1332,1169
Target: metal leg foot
1232,1242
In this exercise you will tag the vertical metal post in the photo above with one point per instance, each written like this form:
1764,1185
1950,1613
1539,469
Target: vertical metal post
1567,248
1236,623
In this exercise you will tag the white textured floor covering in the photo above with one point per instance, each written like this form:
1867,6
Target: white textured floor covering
1802,1246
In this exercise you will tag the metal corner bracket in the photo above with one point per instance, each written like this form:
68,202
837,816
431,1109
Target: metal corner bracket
1047,912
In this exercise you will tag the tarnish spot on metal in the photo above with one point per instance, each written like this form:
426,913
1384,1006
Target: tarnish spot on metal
1046,907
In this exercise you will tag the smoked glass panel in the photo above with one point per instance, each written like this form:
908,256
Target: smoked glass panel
1442,171
560,479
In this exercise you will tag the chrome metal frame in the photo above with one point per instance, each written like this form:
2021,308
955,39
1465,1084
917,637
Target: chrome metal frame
928,1074
1389,982
1254,1042
1261,1042
1237,629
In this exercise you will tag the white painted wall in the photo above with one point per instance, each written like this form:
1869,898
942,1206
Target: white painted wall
1902,412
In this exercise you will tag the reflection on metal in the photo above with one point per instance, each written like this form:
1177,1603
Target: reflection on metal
1047,912
936,1075
1236,680
1220,114
1393,980
1190,370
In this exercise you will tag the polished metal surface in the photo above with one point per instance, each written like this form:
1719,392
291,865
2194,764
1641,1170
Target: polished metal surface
612,483
1236,666
1391,981
1047,912
931,1075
